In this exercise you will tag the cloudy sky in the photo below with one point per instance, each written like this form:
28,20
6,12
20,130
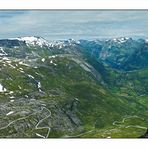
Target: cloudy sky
73,24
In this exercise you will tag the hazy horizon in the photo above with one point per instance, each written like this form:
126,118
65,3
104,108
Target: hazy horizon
61,25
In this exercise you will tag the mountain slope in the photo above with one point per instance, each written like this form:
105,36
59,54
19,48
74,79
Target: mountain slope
61,90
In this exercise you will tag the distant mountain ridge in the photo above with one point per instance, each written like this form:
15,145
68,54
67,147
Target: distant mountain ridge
120,53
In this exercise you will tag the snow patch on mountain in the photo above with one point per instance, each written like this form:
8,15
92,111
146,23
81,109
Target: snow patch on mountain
5,58
30,76
43,59
2,52
39,86
11,112
146,40
63,43
121,39
2,89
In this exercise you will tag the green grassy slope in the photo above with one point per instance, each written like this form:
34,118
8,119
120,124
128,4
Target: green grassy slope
69,102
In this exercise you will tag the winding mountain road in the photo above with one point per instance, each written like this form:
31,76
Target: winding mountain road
45,127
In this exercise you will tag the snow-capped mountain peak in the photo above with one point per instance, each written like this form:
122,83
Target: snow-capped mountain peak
73,41
39,41
121,39
33,40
